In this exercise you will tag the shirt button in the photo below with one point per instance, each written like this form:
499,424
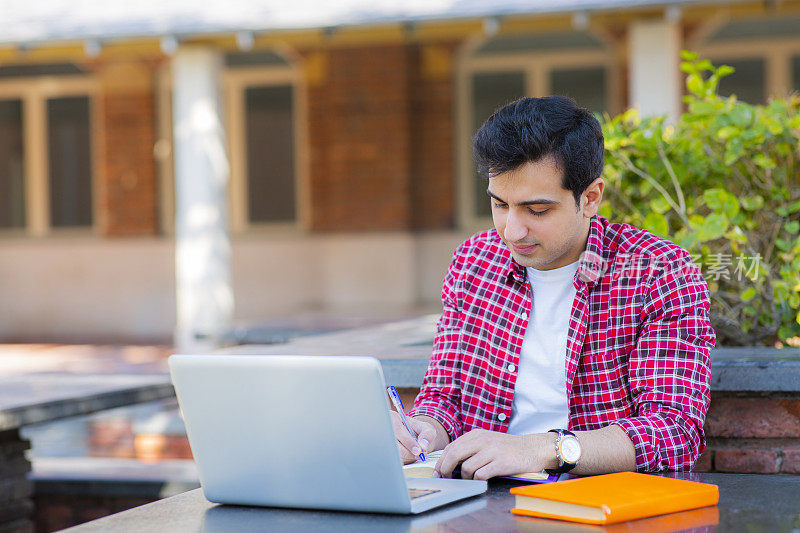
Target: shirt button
501,417
524,316
511,368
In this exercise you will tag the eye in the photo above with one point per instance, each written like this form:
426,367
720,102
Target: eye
499,206
538,213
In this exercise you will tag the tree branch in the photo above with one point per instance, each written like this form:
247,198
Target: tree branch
671,172
633,168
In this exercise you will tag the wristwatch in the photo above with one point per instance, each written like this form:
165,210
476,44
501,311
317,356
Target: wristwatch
568,451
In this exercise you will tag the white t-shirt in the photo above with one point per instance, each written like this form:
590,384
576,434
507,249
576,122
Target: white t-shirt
540,395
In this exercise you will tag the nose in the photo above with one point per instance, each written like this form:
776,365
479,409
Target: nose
515,229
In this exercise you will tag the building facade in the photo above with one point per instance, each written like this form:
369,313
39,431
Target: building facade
345,151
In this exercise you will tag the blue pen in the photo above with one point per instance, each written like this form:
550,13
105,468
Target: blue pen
398,405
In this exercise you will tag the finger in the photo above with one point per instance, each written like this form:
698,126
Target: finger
426,433
402,435
405,455
473,464
459,450
488,471
454,453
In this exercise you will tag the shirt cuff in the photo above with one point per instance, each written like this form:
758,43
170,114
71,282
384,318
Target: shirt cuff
641,434
448,420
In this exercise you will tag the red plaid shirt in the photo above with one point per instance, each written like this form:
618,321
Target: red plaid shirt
637,349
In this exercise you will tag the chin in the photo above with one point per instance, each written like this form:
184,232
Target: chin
528,261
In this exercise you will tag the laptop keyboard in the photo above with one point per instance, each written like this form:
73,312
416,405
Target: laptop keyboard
419,493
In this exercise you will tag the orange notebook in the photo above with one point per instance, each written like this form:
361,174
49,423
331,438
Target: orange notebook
613,498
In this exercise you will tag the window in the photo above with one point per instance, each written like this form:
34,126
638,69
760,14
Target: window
490,91
587,86
270,154
69,162
40,69
747,82
762,50
263,127
46,170
262,93
12,178
765,28
796,73
503,69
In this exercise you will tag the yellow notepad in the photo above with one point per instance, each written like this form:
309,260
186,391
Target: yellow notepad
612,498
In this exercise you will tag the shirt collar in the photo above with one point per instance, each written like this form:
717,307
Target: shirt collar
591,266
592,262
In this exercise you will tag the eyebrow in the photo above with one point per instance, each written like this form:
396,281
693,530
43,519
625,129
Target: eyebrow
537,201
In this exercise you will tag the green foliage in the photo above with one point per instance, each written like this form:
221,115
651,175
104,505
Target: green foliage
724,183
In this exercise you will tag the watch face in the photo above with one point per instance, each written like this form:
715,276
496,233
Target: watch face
570,449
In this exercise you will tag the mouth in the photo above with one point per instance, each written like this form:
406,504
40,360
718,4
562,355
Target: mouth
524,250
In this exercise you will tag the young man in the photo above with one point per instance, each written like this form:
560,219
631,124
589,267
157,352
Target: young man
566,342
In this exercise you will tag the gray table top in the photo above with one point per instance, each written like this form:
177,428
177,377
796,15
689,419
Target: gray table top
747,503
35,398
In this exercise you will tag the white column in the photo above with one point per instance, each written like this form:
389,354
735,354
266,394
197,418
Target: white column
778,74
202,244
655,77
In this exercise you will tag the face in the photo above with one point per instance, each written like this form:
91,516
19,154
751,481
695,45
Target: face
537,218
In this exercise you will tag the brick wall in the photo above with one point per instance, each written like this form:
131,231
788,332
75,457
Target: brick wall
432,129
755,433
358,112
381,137
126,116
16,489
56,512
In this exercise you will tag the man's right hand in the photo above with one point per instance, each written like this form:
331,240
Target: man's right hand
406,445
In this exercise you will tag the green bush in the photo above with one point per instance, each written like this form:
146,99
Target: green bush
724,183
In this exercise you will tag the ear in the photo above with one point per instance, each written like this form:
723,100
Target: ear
591,198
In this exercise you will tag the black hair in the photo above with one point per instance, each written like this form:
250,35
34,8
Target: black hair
531,128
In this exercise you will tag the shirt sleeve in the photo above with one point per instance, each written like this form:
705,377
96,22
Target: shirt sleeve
669,373
440,393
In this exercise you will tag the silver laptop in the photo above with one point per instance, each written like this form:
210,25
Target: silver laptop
298,431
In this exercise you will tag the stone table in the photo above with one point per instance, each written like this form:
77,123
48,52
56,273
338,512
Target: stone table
747,503
36,398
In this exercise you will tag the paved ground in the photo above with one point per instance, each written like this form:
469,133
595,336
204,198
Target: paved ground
127,359
82,359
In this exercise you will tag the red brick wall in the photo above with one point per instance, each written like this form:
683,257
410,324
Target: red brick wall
128,191
57,512
432,149
16,489
752,434
359,139
381,139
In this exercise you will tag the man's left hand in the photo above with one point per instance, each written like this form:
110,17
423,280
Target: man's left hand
485,454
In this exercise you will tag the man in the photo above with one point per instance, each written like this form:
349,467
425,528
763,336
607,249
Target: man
566,342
